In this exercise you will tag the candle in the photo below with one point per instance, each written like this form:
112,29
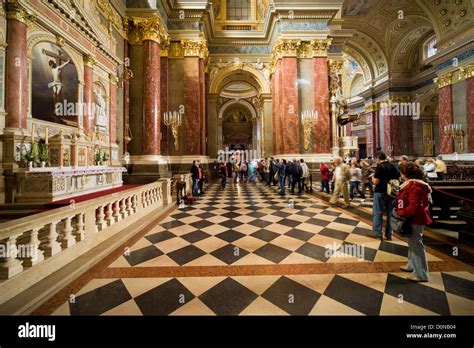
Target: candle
46,136
33,133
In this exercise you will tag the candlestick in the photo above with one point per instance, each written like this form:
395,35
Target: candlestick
46,136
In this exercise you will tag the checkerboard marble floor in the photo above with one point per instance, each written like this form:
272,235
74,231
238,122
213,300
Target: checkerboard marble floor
245,250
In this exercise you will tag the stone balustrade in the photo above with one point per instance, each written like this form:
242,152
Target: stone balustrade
57,237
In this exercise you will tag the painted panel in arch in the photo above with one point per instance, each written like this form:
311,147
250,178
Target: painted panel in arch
2,78
427,139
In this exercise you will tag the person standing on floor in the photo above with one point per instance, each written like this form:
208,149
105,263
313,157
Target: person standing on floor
305,176
367,172
341,178
324,170
297,174
441,168
195,176
384,172
202,179
223,174
356,178
281,170
413,201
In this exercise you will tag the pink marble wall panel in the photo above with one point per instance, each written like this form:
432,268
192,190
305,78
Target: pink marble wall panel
274,109
470,114
88,116
151,98
191,122
16,80
113,114
202,109
445,117
290,125
322,132
164,103
280,110
126,100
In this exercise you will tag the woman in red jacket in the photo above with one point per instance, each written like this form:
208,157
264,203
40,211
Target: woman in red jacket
413,202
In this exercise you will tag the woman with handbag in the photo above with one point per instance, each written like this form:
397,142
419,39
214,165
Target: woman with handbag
412,202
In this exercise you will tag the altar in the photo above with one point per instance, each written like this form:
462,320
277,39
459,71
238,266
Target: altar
43,185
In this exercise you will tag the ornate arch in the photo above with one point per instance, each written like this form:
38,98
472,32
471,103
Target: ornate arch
234,102
216,83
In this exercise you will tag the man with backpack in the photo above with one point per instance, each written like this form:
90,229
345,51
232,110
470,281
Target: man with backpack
386,181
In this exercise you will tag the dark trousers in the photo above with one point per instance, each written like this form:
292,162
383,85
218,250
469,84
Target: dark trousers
325,185
296,180
354,186
369,186
223,181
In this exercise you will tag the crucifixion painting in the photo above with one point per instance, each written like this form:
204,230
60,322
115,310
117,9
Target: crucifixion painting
56,66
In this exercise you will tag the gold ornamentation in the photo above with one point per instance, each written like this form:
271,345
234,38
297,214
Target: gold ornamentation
89,60
16,11
59,41
195,48
372,107
114,79
150,28
336,66
320,47
111,14
444,80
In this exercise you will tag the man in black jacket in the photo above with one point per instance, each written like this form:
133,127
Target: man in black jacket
195,174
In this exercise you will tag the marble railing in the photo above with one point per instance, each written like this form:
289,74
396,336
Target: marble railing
68,232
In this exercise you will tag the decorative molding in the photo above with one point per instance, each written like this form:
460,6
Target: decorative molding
109,12
89,61
193,48
336,66
141,29
113,79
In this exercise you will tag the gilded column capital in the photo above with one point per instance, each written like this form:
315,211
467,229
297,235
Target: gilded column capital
444,80
164,48
286,48
89,61
320,47
142,29
16,11
193,48
469,72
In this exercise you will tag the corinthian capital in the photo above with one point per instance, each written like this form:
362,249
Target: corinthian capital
149,28
16,11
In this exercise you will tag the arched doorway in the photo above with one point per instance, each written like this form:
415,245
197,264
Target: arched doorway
237,128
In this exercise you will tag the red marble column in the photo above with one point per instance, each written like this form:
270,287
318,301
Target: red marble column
191,123
290,115
274,110
445,94
16,80
126,99
470,114
88,117
322,131
151,98
113,110
164,103
202,109
392,133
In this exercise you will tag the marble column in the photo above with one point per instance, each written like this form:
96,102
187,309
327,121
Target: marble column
113,109
164,103
151,98
87,97
126,98
274,110
470,114
372,133
392,133
202,110
322,131
290,115
445,117
16,98
192,123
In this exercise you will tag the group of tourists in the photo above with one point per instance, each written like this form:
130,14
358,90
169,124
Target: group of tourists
401,189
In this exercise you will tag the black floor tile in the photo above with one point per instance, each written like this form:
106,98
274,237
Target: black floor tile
228,297
329,232
299,234
318,222
229,253
201,224
260,223
141,255
172,224
196,236
393,248
160,237
458,286
362,231
230,223
231,215
330,212
164,299
314,251
357,296
186,254
292,297
230,236
289,222
345,221
272,252
421,295
100,300
265,235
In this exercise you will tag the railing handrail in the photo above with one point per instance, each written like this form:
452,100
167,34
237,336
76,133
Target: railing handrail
10,227
452,195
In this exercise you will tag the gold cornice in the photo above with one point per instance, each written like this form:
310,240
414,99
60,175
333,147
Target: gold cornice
175,50
469,72
16,11
114,79
320,47
89,60
372,107
444,80
192,48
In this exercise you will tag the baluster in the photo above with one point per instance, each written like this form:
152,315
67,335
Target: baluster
80,233
110,219
145,201
9,264
129,206
30,252
52,246
68,239
134,203
117,215
123,209
101,223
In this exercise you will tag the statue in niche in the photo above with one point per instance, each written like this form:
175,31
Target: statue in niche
101,121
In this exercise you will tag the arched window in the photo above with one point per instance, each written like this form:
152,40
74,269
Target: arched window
430,48
238,10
